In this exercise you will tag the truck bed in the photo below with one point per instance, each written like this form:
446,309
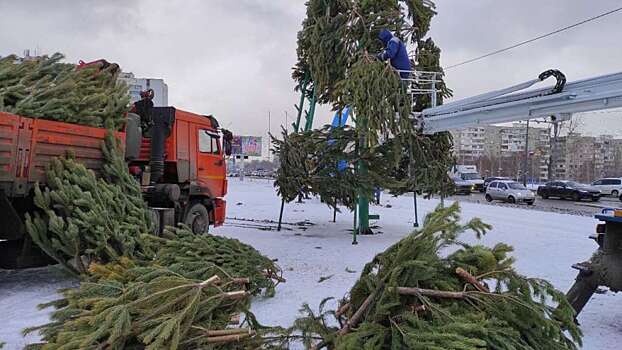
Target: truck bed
28,145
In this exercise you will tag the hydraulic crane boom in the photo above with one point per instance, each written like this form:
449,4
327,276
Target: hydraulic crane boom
508,105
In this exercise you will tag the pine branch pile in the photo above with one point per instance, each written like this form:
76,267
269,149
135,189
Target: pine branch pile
45,88
126,306
335,53
84,218
200,257
189,294
139,291
415,296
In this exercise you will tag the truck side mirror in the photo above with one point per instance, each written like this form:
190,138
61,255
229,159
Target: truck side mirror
227,147
227,137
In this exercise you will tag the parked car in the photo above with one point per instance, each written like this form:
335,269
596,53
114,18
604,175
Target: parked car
609,186
488,180
568,190
462,186
509,191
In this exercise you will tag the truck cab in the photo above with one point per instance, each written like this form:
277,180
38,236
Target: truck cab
468,174
183,178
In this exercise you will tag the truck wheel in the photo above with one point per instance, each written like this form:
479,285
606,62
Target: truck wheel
614,193
544,196
488,198
197,218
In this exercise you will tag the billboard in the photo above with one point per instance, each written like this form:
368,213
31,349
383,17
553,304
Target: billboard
246,145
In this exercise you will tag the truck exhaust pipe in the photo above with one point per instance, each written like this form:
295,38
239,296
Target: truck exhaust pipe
163,119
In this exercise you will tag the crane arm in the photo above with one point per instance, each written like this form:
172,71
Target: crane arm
508,105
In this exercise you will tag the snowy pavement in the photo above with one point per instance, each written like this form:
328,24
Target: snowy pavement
311,246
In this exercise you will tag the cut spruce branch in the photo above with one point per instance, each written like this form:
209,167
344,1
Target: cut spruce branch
431,293
342,310
201,256
413,295
221,332
356,317
229,338
471,279
85,218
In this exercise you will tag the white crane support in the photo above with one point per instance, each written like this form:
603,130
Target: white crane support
509,105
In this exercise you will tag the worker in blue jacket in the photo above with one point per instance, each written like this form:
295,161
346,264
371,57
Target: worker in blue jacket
394,50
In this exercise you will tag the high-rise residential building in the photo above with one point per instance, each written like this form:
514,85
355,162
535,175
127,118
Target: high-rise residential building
136,85
586,158
469,143
500,150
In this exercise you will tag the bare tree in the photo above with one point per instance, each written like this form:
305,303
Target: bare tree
557,128
572,125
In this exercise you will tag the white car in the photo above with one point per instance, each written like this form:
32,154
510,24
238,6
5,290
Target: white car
609,186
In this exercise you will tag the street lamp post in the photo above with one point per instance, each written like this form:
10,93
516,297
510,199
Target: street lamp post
525,164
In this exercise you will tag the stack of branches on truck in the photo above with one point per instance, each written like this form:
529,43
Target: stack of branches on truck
44,87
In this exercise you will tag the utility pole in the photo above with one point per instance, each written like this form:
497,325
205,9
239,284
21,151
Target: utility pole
286,122
525,161
269,132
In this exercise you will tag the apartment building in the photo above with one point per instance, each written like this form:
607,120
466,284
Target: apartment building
586,158
500,150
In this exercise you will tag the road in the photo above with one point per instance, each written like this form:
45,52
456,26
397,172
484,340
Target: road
585,208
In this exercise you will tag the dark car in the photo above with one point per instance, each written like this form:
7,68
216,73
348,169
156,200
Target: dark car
568,190
488,180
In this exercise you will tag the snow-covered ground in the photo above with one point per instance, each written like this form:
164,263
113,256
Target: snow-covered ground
545,243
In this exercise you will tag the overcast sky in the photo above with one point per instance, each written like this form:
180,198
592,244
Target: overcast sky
233,59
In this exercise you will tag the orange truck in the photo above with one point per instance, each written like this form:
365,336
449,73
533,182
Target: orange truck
178,156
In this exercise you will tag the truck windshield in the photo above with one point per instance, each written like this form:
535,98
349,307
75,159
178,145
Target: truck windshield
516,186
470,176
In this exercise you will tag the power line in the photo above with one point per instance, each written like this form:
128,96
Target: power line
534,39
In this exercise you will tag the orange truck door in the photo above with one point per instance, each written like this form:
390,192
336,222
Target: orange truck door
211,166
